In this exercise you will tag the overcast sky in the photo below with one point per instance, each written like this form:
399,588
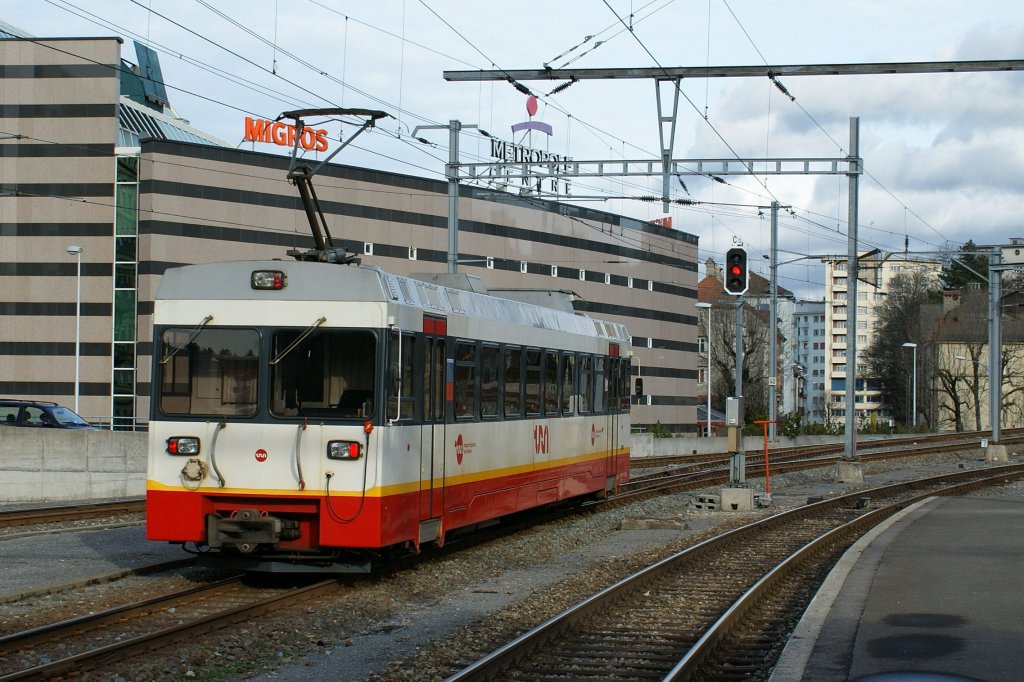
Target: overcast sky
943,154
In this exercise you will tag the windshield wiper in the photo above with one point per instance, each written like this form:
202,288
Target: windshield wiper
296,342
190,339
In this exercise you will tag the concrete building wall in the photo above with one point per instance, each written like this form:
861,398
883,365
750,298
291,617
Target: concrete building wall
632,272
199,203
59,123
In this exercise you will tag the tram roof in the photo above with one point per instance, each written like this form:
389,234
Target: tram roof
310,281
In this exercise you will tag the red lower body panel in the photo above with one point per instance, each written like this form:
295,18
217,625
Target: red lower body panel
369,522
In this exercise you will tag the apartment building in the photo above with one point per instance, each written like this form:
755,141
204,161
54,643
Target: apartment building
808,334
878,274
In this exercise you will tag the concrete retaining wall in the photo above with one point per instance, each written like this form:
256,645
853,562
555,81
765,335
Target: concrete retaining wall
55,465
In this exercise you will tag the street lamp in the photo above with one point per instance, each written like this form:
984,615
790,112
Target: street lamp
913,347
76,251
707,379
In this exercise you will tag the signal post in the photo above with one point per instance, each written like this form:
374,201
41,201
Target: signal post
738,496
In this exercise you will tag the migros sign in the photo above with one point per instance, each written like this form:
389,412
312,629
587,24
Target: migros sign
284,134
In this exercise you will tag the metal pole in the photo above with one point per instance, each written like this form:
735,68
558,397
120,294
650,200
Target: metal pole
78,325
739,347
914,399
76,251
453,194
773,363
850,451
995,342
738,464
708,433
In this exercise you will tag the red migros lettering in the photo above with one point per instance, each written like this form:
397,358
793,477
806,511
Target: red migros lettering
284,134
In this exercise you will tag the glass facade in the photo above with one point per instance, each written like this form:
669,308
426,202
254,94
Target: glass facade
126,233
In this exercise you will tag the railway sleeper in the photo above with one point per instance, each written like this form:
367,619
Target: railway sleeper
246,529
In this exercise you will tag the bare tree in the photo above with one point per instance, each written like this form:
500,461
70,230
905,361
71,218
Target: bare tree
899,322
723,356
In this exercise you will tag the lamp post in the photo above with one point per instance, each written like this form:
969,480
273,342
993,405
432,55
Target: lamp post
707,379
76,251
913,347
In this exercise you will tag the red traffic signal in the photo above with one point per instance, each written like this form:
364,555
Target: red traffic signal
737,276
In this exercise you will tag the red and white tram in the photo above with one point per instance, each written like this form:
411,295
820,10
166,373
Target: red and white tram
316,416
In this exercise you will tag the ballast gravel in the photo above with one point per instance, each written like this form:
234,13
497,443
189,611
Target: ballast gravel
426,622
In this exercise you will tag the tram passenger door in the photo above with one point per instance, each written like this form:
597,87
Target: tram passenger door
616,381
433,441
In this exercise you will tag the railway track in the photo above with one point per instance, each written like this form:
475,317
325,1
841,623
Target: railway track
51,650
719,610
82,643
63,514
713,470
810,451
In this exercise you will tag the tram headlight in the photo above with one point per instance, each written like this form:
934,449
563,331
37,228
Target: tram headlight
269,279
183,445
344,449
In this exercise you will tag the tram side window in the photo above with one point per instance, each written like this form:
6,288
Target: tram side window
401,392
212,372
624,377
600,384
615,386
567,369
550,392
586,384
533,381
513,382
490,388
434,364
465,379
327,374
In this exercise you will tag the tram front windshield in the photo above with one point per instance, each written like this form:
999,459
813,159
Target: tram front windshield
326,374
209,372
215,372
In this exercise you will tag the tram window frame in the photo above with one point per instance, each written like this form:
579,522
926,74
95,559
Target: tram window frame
615,386
466,381
567,371
550,376
512,391
435,355
533,379
490,372
344,388
585,383
228,386
624,376
404,406
600,384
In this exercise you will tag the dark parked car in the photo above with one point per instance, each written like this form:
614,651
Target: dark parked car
40,414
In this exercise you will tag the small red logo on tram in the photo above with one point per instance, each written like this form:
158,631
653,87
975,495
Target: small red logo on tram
460,449
261,455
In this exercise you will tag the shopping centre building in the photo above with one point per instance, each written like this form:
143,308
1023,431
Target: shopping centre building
94,158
